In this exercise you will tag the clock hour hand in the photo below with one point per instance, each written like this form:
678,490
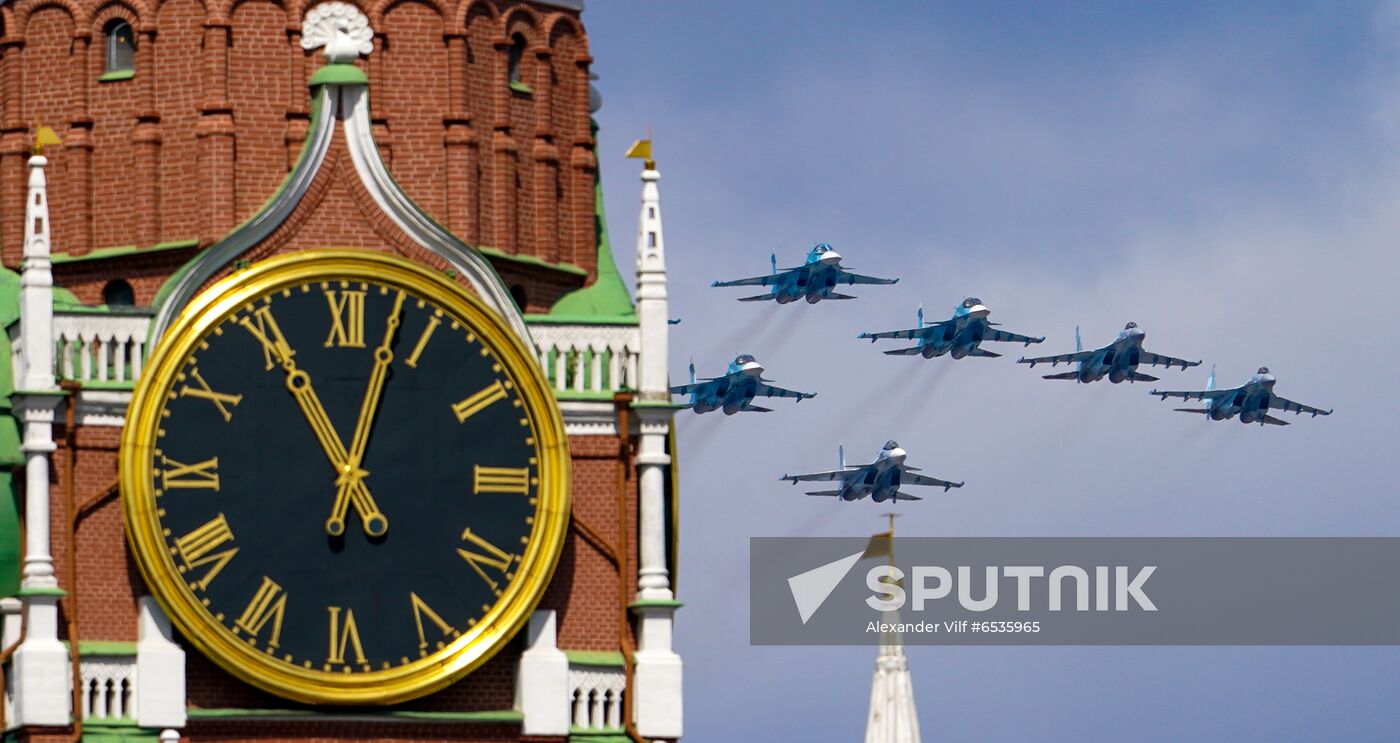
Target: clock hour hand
299,384
374,521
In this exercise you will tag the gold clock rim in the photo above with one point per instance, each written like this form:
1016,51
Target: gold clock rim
144,532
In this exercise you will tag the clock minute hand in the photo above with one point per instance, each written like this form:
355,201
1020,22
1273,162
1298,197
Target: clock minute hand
299,384
351,483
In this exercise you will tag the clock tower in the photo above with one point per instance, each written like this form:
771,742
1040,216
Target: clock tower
330,415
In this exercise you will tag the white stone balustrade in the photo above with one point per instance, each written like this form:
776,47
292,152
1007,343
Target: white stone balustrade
109,687
100,347
599,359
595,693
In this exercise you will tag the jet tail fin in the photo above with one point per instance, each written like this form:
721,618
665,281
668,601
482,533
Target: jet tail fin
984,352
921,316
901,495
773,262
913,351
1063,375
1210,381
1078,344
758,298
841,456
1273,421
1140,377
1192,410
828,493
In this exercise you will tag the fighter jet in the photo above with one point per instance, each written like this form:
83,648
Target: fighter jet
960,335
880,479
1118,360
734,392
1251,401
816,279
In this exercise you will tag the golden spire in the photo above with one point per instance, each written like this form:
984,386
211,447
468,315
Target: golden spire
44,137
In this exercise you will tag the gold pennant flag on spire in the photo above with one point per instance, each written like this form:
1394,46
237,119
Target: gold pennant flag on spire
44,137
641,149
880,545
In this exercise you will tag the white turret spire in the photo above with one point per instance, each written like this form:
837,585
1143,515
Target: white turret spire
36,283
652,307
893,715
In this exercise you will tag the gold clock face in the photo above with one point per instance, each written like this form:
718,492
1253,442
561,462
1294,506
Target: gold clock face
344,478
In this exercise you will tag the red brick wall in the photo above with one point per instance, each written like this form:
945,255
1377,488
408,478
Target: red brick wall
209,126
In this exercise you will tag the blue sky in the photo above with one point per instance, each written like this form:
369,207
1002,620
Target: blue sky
1228,176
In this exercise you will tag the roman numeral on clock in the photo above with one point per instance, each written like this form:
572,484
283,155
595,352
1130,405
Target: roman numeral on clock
268,604
347,319
412,360
421,609
264,328
220,399
476,402
493,557
343,634
198,475
501,480
198,548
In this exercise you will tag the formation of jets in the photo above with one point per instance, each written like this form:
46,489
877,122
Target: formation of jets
959,336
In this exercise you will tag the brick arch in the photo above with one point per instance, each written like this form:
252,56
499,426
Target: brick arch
76,15
380,7
561,24
135,12
510,23
466,9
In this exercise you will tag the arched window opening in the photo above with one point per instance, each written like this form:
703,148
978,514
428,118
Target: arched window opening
121,46
517,293
118,293
517,53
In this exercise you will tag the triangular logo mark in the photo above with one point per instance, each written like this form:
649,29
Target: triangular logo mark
810,589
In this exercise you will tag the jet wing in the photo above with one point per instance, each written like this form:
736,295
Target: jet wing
1002,336
1194,394
820,476
1064,358
854,278
910,333
767,280
1153,359
916,479
1281,403
768,390
689,389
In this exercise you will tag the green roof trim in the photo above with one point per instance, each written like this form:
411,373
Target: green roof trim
338,74
607,296
115,75
10,454
553,319
581,735
596,657
531,260
104,647
485,717
37,591
519,87
121,250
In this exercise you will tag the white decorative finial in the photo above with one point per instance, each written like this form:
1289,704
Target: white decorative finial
341,28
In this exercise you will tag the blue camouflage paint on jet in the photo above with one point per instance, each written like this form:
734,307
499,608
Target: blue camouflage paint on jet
1251,401
1118,360
734,392
959,336
816,279
880,479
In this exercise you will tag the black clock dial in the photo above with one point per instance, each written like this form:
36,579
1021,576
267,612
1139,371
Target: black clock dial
345,475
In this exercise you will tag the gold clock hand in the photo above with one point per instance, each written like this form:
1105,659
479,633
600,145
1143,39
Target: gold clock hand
375,523
299,384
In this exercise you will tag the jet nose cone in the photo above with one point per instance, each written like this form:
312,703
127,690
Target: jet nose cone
830,258
979,310
897,454
751,367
